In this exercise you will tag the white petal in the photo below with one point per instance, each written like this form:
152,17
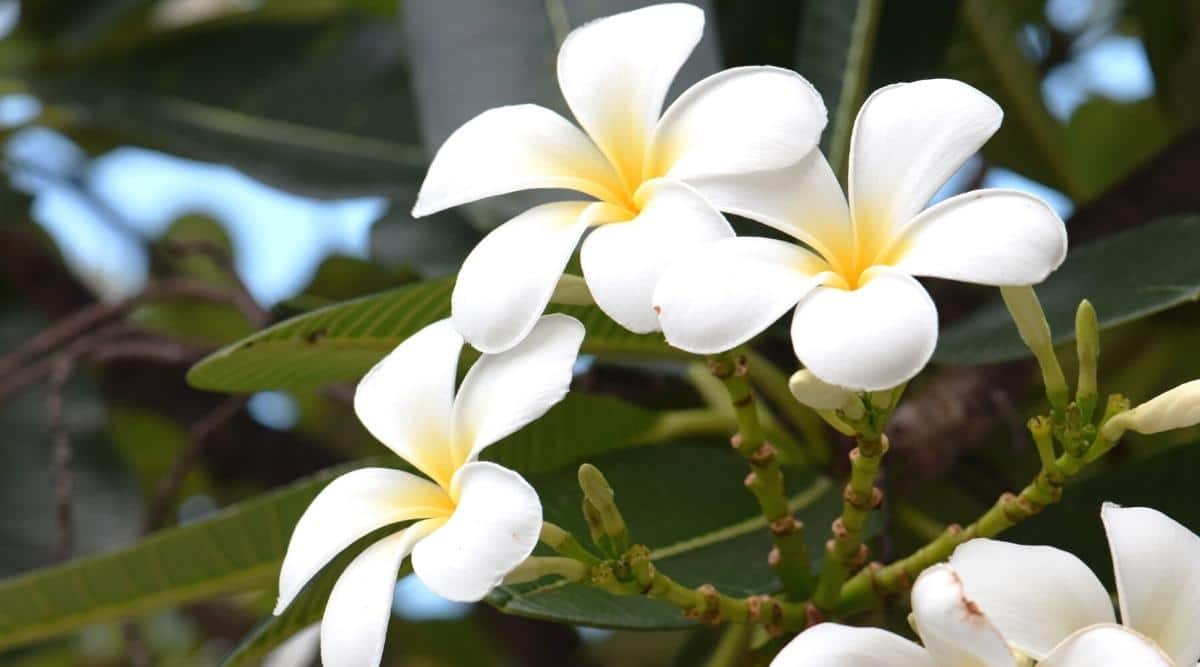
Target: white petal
503,392
875,337
615,73
513,148
494,528
354,626
953,629
741,120
909,138
832,645
803,200
1107,645
989,237
1036,596
1157,565
816,393
507,280
299,650
348,508
623,261
724,293
405,400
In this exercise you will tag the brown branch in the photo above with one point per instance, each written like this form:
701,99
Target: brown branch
198,438
64,480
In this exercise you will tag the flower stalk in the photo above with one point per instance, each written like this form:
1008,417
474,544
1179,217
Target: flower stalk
789,557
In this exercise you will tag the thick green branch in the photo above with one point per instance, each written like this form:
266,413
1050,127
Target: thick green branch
846,551
789,557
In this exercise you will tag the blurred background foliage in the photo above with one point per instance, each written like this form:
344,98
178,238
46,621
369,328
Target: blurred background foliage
182,173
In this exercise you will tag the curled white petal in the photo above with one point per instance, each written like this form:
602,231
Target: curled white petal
832,645
989,237
951,625
908,139
1036,596
622,262
1157,565
493,529
354,626
1107,645
875,337
514,148
615,73
509,277
741,120
723,293
349,508
505,391
405,400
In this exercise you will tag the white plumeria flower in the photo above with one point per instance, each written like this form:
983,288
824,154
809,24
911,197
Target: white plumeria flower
1047,603
475,521
647,173
956,632
862,322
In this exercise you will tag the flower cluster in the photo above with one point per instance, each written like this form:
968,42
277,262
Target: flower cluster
657,254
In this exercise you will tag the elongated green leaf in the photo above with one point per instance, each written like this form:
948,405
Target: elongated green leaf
343,341
1126,276
836,42
237,550
686,503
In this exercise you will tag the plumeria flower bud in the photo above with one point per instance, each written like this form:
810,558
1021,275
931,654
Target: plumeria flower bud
536,567
601,498
1173,409
649,179
1027,314
861,320
818,394
469,522
1087,344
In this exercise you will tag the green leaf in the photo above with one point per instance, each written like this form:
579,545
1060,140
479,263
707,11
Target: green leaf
984,52
343,341
237,550
1126,276
319,104
836,42
688,504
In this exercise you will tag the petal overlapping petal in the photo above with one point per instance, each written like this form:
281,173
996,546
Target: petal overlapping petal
1036,596
615,72
953,629
875,337
738,121
989,237
349,508
803,200
493,529
1107,645
1157,565
354,626
622,262
908,139
509,277
724,293
405,400
832,645
503,392
506,149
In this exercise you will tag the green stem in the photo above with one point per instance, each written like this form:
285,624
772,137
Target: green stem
789,558
846,551
876,581
732,647
773,383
